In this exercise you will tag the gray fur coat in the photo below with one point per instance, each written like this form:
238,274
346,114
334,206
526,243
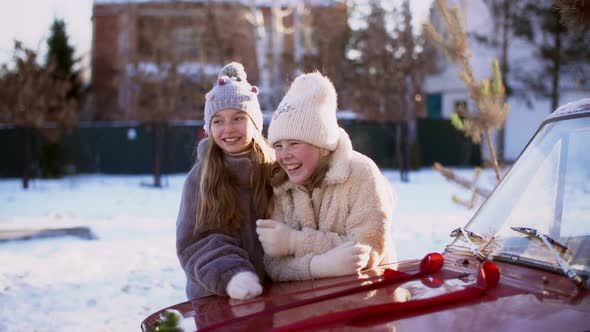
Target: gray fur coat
210,259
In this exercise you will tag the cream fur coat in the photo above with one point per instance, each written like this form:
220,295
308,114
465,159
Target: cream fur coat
353,202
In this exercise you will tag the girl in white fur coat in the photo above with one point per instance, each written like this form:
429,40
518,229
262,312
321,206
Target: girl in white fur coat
332,206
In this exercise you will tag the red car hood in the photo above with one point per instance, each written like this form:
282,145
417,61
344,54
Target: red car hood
523,299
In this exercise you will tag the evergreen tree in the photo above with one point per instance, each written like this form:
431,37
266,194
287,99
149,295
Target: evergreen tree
61,53
564,53
31,97
388,74
537,24
60,59
376,70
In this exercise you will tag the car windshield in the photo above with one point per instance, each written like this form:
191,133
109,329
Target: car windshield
547,191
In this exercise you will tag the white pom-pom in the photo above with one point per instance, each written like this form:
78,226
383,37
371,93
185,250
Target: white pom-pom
233,69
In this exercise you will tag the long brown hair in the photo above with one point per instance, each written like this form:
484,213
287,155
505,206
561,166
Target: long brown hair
219,206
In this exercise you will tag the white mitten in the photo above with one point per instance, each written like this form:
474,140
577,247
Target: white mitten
243,285
278,239
347,258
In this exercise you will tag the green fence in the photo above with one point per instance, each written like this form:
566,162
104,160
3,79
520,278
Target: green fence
437,140
126,148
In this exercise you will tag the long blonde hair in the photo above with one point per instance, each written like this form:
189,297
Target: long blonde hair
219,206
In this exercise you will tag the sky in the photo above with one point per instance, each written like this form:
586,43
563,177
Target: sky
29,22
131,270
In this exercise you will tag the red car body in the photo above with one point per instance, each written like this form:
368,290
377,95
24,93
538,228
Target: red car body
529,272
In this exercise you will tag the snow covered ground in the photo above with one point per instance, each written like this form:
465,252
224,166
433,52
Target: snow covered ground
131,270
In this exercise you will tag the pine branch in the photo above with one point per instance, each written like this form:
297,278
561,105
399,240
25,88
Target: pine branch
488,95
490,246
168,322
453,177
471,203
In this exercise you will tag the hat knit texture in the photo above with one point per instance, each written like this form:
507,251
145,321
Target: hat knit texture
307,113
233,92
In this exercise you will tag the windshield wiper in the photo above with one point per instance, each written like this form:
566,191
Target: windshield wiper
551,243
467,235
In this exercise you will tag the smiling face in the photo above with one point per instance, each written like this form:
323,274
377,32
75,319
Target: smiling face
232,130
300,160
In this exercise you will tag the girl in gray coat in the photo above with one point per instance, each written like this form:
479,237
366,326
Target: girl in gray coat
224,193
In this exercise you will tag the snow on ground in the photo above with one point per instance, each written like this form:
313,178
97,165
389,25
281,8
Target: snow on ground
131,270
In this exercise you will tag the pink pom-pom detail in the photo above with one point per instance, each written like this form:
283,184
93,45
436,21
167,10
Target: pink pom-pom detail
254,89
221,81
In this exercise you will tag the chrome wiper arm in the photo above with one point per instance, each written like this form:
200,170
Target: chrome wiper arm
467,235
536,234
550,243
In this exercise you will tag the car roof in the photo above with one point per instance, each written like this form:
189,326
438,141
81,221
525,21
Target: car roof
576,107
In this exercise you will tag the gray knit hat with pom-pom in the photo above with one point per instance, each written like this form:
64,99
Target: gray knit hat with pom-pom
233,92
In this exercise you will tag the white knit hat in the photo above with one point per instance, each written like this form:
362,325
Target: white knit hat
307,113
232,91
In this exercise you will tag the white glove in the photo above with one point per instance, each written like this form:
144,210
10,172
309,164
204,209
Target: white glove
345,259
278,239
243,285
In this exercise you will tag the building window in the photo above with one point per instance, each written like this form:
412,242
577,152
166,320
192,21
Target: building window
148,35
184,42
167,37
434,105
